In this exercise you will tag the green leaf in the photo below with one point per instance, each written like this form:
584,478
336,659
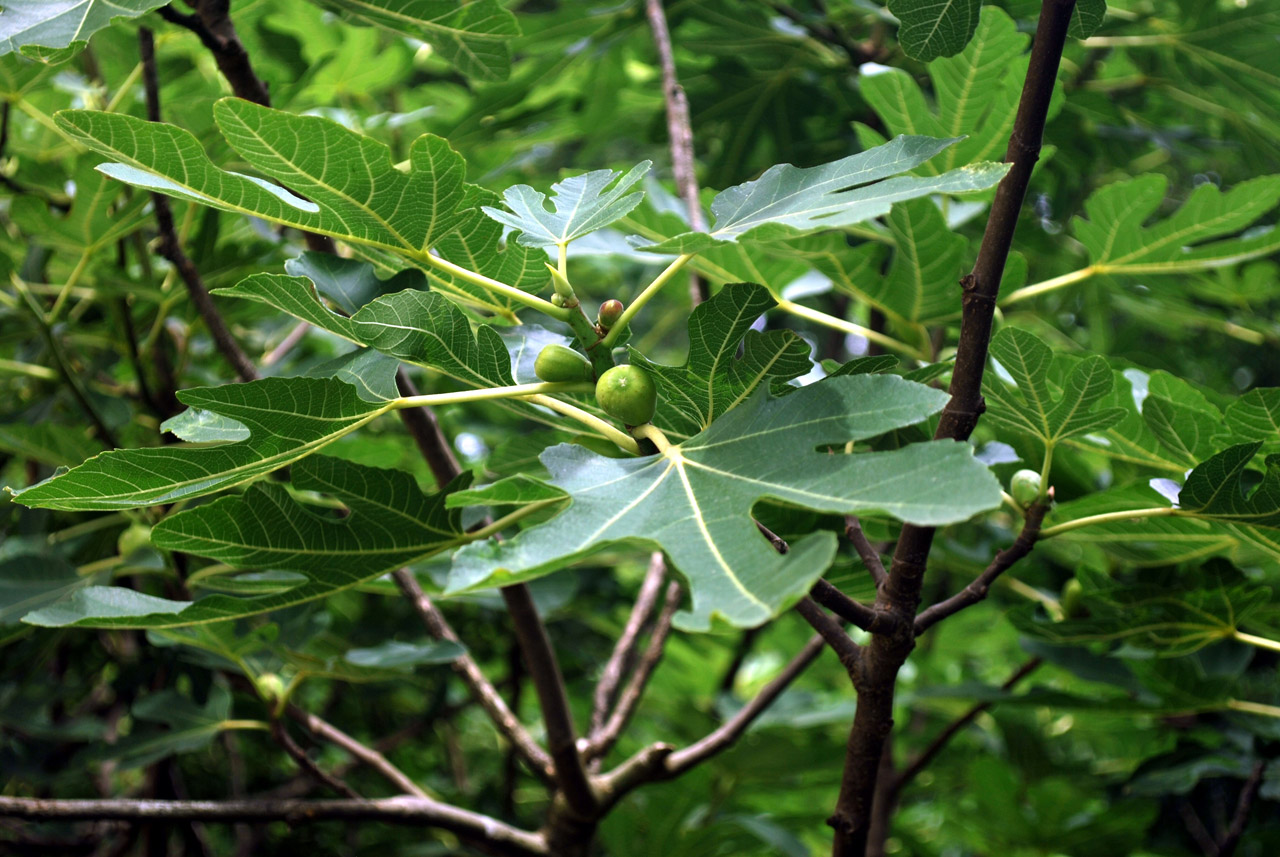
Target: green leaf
1037,409
975,95
1168,622
518,490
29,581
1215,489
391,523
1119,243
1181,418
1086,18
395,655
352,189
473,35
94,221
923,281
288,419
695,500
189,727
788,201
713,380
47,442
63,23
1255,416
935,28
582,204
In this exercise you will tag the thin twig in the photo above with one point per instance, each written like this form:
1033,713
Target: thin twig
170,247
307,764
396,810
679,133
859,615
623,655
979,587
733,728
935,747
776,541
212,24
869,555
631,695
424,428
327,731
833,633
1248,795
481,688
292,338
544,672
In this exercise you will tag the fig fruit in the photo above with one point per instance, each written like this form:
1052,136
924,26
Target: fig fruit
558,363
627,393
1025,486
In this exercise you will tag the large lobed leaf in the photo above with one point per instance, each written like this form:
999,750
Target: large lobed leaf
714,380
62,23
287,418
352,189
582,204
473,35
694,501
390,523
788,201
1190,239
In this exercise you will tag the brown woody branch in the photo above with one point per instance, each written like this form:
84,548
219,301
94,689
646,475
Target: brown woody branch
482,690
631,695
833,633
859,615
623,656
900,595
978,589
1244,805
171,248
308,765
953,728
324,730
866,552
679,133
418,811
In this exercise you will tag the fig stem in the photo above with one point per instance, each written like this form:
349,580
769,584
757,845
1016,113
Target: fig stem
652,433
621,438
643,298
1109,517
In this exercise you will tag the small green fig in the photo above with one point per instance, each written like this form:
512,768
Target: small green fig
1025,486
610,312
627,393
135,538
558,363
1070,600
270,686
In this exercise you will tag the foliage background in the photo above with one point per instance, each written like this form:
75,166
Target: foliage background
1120,751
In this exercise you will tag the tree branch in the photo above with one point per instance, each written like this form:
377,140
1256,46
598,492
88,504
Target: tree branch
171,248
424,428
981,585
733,728
679,133
1249,794
544,671
849,652
308,765
900,595
371,757
869,555
623,655
634,691
944,737
857,614
482,690
396,810
212,24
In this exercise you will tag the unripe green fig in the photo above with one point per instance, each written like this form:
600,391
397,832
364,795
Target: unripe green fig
138,536
558,363
627,393
1025,486
1070,600
270,686
610,312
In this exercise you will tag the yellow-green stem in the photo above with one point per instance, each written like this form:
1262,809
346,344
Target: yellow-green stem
1049,285
619,437
652,433
1254,708
849,327
1110,517
511,392
532,301
1260,642
643,298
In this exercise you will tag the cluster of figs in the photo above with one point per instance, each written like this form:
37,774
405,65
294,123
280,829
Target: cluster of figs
626,393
